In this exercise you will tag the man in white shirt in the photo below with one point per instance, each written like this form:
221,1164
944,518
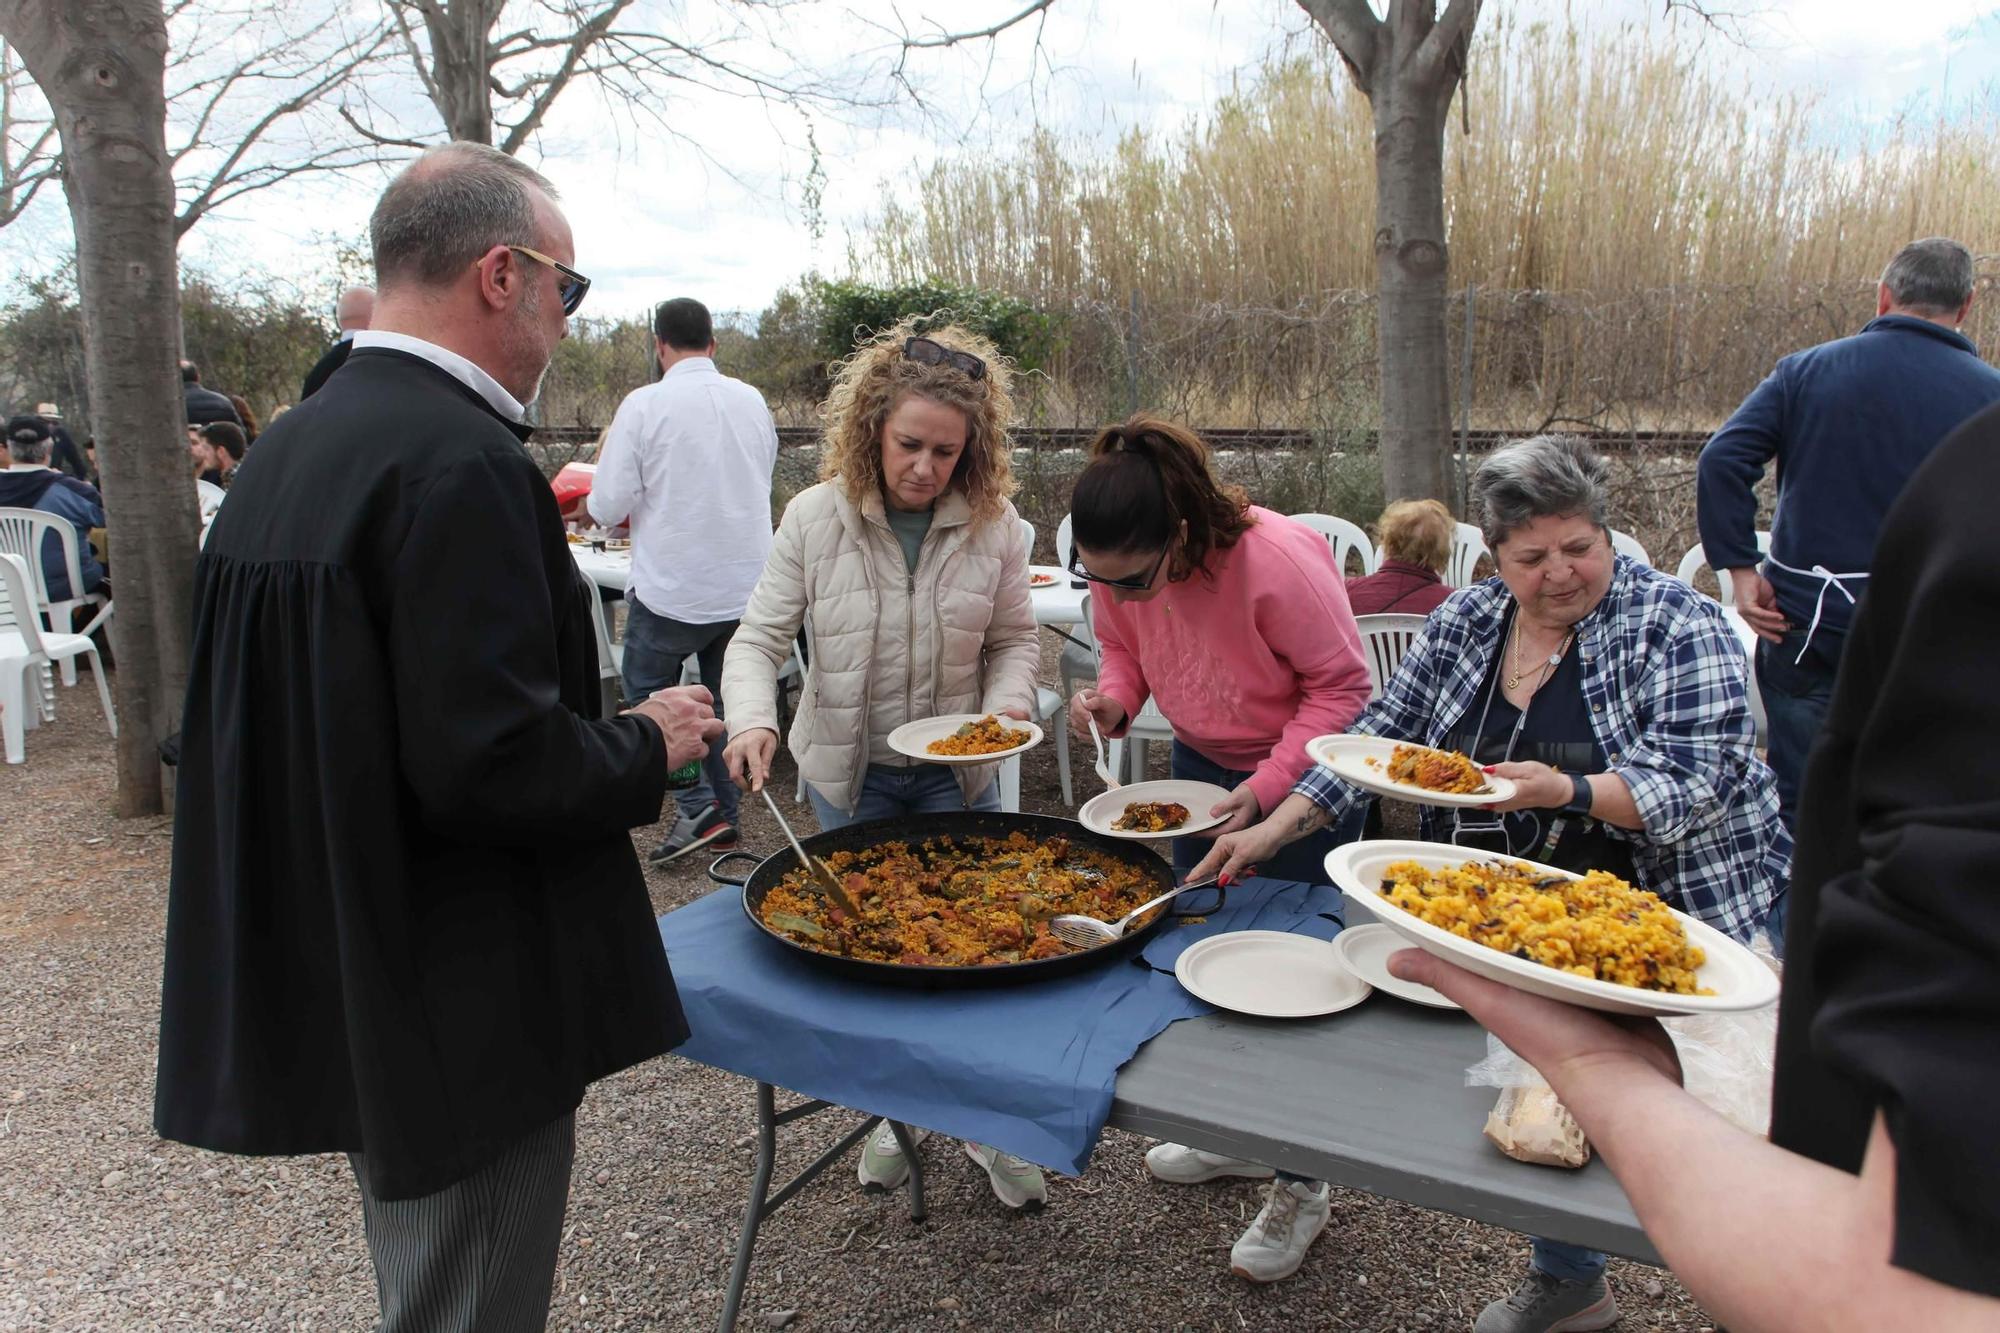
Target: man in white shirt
687,463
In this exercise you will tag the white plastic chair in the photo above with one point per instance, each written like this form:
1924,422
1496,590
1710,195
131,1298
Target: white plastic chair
1696,560
1466,549
1343,537
610,656
25,650
23,532
1626,544
1384,640
1078,660
1050,712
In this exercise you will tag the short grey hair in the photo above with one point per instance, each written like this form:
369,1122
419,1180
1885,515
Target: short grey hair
25,444
449,207
1930,277
1548,476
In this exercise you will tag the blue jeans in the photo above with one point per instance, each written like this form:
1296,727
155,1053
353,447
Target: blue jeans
1570,1263
921,789
655,649
1302,860
1796,696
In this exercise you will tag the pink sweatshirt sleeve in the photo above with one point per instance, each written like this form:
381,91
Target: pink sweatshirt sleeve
1118,671
1304,617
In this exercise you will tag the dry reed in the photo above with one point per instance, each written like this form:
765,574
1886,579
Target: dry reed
1648,233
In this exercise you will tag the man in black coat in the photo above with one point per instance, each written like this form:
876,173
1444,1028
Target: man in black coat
352,312
204,405
406,921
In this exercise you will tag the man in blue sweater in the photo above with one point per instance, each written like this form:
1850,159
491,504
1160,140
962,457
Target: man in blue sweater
1848,421
30,483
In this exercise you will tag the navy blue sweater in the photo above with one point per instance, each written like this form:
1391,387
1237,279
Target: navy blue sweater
1848,421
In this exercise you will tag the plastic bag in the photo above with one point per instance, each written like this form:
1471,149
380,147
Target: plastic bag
1530,1125
1726,1059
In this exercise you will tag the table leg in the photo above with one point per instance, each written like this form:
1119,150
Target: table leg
763,1203
753,1213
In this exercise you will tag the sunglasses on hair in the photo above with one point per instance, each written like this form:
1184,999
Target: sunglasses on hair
574,284
925,352
1130,583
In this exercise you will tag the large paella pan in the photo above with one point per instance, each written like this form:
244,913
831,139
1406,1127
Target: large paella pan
964,883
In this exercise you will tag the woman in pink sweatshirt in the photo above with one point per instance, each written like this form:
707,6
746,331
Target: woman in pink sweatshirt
1234,618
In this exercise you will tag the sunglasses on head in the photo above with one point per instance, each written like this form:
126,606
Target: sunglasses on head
1130,583
925,352
574,284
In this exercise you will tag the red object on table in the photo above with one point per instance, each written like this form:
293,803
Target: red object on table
571,486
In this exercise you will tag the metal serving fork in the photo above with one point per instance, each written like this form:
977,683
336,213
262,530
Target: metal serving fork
1085,932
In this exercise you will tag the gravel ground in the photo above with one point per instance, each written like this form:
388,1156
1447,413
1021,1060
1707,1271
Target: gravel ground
104,1226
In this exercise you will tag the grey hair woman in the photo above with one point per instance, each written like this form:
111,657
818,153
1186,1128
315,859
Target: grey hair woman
1616,700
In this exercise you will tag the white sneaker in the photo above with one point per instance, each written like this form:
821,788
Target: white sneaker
1016,1183
883,1166
1294,1213
1190,1166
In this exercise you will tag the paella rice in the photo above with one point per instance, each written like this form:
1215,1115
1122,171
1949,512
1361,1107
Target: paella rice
1151,817
986,736
1436,770
1598,926
965,902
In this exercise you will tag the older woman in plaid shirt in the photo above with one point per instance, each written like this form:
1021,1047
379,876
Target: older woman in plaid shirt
1615,698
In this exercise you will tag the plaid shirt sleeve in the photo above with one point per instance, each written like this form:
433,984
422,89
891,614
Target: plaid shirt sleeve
1686,763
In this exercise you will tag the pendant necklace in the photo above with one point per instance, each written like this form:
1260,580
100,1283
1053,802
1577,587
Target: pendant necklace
1517,671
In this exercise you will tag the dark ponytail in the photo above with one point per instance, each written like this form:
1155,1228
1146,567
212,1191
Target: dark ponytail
1146,477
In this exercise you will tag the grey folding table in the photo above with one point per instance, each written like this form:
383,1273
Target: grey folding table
1373,1098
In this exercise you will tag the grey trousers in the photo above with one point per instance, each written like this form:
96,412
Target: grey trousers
478,1256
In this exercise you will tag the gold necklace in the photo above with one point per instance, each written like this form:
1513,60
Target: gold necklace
1517,671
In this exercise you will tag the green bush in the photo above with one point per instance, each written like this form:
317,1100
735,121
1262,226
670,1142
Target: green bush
846,311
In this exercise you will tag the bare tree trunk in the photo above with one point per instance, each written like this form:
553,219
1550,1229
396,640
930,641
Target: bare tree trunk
1409,62
1410,271
101,64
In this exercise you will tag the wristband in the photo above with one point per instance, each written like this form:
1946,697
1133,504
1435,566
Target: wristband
1580,795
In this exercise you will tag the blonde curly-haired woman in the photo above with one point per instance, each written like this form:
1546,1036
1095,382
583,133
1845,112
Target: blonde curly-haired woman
906,566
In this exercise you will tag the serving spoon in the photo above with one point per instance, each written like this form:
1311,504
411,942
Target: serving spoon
823,878
1086,932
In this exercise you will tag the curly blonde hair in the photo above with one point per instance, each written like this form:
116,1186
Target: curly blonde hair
868,386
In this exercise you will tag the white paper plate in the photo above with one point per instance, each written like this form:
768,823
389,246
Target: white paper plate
1269,974
1199,797
1349,756
1366,950
912,737
1738,977
1046,576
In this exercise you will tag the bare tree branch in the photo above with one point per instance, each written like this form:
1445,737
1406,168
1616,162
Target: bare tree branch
1440,61
954,38
1354,31
381,140
586,37
28,145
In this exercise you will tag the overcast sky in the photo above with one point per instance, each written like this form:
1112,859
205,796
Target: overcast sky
655,218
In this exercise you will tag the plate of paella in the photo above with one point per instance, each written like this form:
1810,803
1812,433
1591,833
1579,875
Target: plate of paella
1152,810
1415,773
964,738
1592,940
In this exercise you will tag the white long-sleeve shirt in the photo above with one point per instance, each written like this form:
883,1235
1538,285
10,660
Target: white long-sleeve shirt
688,463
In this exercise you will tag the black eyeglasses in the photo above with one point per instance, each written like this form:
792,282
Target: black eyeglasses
925,352
1130,583
574,284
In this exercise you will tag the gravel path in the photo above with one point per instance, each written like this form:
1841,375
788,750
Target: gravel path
104,1226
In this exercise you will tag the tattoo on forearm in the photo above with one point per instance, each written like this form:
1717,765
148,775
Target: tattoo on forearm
1310,820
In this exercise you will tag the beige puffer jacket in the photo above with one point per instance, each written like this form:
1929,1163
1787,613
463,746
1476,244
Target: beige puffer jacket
887,646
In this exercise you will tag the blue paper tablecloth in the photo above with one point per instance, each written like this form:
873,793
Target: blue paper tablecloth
1027,1069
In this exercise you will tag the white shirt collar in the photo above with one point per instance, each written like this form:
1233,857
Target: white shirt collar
466,372
29,467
